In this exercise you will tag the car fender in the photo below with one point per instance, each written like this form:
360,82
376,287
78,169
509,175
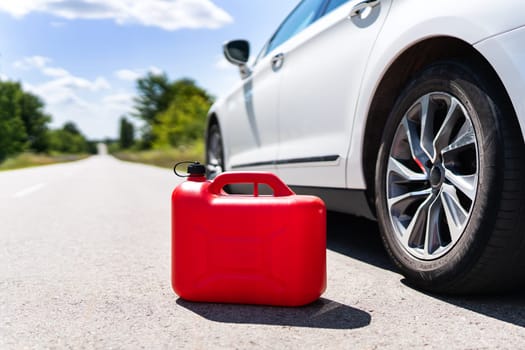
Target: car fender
461,20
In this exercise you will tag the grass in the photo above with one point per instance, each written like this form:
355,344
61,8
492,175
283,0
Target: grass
25,160
165,158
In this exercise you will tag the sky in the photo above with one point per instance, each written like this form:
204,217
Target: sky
82,57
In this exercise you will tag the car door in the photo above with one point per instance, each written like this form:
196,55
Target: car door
321,72
249,120
252,110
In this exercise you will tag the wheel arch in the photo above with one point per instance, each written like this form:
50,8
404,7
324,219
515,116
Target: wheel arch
408,64
213,119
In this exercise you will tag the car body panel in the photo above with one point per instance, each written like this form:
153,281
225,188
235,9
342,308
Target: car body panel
492,28
429,19
250,114
506,52
315,109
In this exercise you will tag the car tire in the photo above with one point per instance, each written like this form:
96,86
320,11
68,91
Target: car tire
214,152
450,183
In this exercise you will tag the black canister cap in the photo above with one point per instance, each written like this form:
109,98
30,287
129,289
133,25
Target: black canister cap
196,168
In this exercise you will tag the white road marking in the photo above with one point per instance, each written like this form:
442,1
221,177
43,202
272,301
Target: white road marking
28,190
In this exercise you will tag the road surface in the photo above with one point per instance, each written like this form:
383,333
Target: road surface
85,263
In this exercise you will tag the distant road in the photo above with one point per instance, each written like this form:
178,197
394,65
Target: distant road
85,263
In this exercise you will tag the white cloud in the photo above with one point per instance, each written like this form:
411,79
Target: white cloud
55,72
155,70
28,63
63,87
127,74
168,15
3,77
119,100
95,114
19,8
95,119
55,92
91,103
100,83
62,75
134,74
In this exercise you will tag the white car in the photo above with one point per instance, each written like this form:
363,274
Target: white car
407,111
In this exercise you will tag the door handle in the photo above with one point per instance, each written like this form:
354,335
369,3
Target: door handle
277,61
358,9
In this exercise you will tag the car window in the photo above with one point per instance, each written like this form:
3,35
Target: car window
334,4
302,16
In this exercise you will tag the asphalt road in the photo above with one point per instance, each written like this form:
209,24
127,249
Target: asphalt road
85,263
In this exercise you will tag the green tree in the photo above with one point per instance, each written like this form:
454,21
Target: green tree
13,135
154,97
71,128
24,125
182,123
35,122
174,112
186,87
127,133
68,139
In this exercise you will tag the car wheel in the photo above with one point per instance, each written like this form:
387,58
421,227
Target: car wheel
450,185
214,152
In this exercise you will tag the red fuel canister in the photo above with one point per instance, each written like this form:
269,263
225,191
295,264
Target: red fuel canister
249,249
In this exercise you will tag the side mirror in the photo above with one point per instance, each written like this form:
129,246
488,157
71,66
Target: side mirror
237,52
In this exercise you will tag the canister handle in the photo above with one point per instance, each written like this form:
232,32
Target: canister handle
279,188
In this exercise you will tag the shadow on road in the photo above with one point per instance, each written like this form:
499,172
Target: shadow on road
508,307
359,239
323,313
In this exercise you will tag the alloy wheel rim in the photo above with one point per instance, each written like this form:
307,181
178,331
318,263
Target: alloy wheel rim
432,175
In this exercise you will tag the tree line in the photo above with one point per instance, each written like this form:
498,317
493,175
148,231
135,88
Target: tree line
173,113
24,126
